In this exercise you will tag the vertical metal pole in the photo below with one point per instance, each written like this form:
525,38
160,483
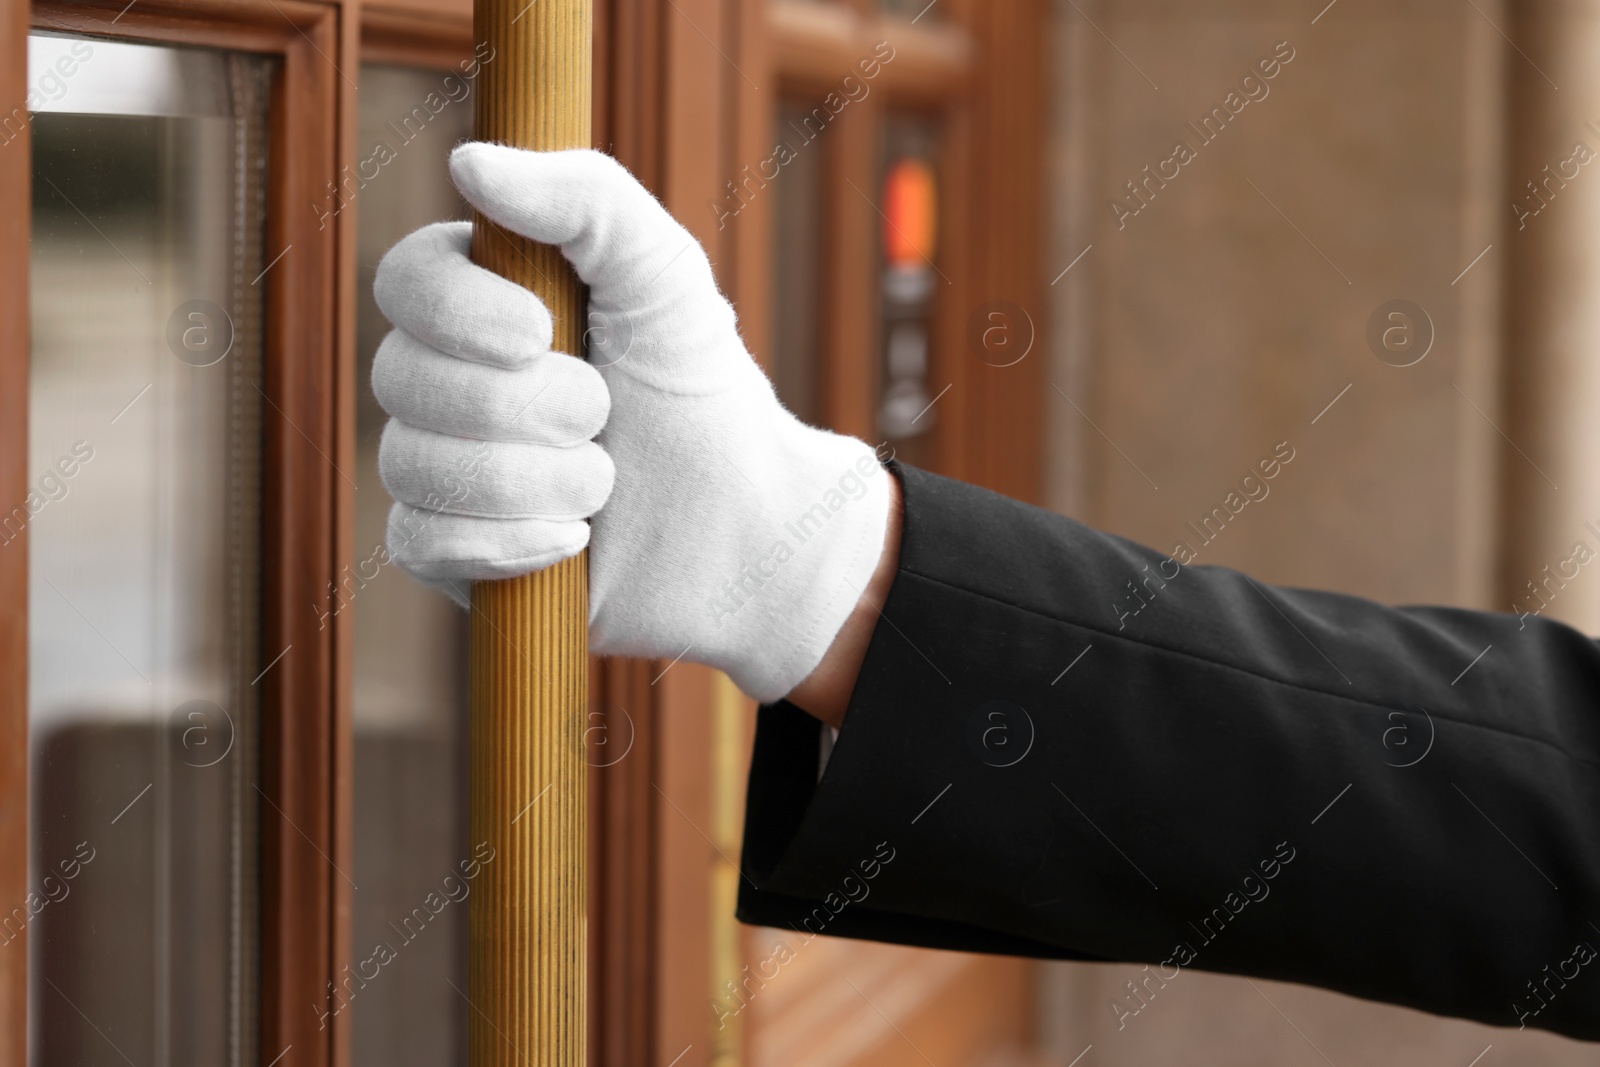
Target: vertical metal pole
530,635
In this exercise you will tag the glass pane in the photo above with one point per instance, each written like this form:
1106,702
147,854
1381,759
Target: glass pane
797,251
143,521
410,642
910,232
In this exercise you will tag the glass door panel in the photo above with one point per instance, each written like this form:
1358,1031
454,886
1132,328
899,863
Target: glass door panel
149,170
410,642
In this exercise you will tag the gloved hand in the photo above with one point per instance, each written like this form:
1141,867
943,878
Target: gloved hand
724,530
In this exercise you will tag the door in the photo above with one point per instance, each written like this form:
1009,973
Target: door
898,280
230,746
143,541
167,818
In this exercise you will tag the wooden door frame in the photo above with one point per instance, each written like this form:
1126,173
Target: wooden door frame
306,507
981,74
306,742
1003,131
683,120
16,193
678,123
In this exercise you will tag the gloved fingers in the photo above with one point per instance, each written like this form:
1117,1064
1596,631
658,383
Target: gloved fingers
451,550
554,400
619,237
429,287
495,480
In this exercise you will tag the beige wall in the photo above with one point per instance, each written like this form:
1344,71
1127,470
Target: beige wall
1197,335
1207,329
1552,361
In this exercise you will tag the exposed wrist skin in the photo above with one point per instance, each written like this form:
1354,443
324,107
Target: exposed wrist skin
825,692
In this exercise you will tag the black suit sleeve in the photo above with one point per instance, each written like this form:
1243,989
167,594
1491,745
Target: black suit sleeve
1065,745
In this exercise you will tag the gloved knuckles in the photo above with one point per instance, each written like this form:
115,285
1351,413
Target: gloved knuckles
493,479
427,286
555,400
450,550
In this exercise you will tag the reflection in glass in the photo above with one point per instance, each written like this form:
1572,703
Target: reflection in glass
143,531
410,642
906,410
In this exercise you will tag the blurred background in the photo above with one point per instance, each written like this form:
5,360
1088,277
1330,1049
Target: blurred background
1102,255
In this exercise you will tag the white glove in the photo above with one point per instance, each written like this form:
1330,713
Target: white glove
725,531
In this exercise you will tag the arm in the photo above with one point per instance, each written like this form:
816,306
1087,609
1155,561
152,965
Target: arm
1219,774
1055,742
825,692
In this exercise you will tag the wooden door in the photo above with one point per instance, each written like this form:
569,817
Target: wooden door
895,200
160,163
338,782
